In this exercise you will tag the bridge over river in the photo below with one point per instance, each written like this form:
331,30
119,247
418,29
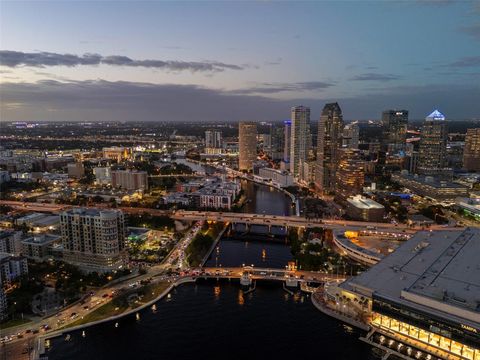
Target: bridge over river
248,274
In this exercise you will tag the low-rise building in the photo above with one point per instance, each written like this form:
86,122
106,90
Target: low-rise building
40,222
117,153
432,187
278,177
39,247
11,268
364,209
424,296
471,206
10,242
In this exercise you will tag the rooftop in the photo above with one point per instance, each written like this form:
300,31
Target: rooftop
432,181
364,203
41,239
438,271
91,212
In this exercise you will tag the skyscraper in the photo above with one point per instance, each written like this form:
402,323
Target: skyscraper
330,130
277,140
432,157
471,152
247,143
213,139
300,138
394,130
93,239
287,140
350,175
351,135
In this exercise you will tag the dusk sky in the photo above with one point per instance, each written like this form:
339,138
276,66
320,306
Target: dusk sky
231,61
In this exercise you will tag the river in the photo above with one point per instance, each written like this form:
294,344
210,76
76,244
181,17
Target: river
215,320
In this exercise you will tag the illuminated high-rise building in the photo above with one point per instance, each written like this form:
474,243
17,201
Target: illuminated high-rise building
432,158
213,139
351,135
247,143
329,141
300,140
394,130
287,141
471,152
350,174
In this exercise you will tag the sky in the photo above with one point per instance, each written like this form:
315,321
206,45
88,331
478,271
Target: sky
231,61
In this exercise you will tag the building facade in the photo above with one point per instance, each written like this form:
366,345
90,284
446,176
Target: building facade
103,175
429,186
364,209
130,179
351,136
394,130
287,132
247,143
94,239
471,152
300,139
330,129
10,242
117,153
423,296
432,157
213,142
278,177
11,268
350,173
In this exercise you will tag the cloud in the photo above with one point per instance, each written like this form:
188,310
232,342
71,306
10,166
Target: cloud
468,61
375,77
273,88
472,30
42,59
99,100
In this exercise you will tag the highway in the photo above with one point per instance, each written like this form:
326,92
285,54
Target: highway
251,219
295,221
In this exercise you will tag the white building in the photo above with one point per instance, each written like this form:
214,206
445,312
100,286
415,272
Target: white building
362,208
278,177
103,175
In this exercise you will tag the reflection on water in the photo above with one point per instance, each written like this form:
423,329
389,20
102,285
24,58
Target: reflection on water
265,200
262,252
266,324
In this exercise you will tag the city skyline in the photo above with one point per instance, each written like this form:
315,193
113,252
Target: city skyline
256,68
